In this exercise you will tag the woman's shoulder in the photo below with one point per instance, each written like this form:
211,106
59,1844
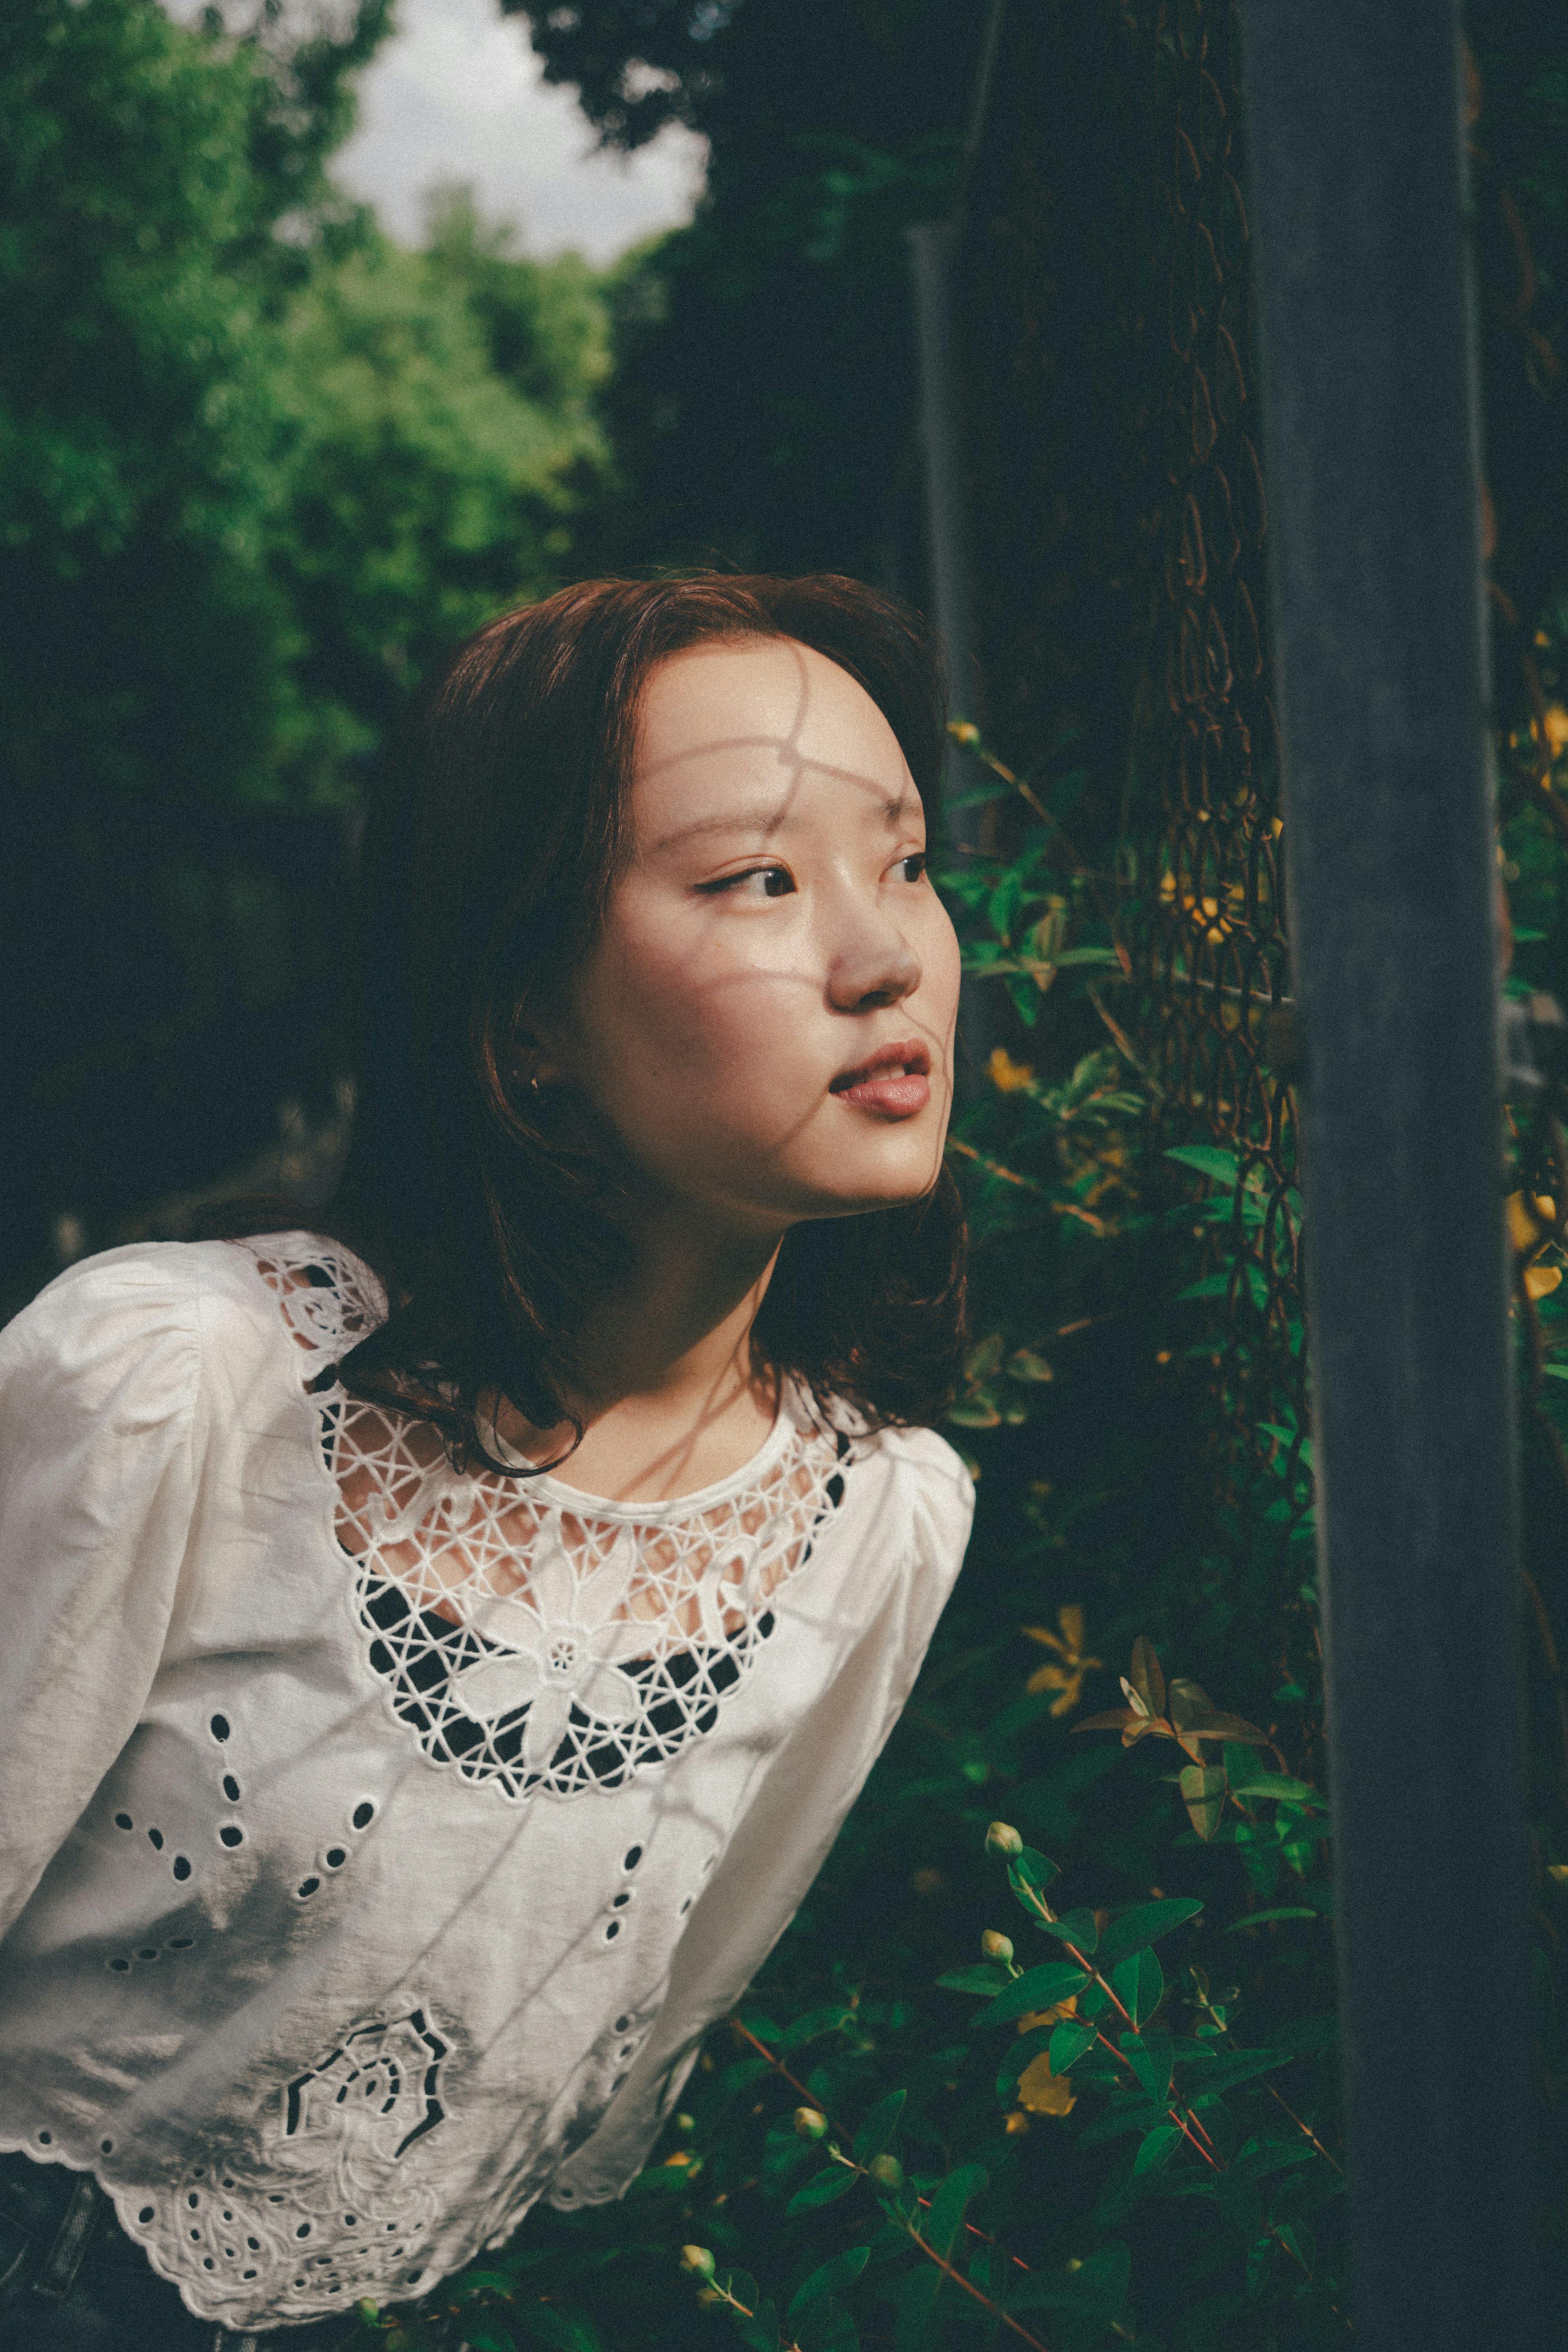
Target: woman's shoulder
928,1473
159,1303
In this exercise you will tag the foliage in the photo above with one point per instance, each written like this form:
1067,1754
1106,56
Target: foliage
1117,2116
765,393
439,409
258,467
931,2124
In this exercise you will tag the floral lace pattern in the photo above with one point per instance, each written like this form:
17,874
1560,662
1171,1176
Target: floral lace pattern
330,2216
532,1638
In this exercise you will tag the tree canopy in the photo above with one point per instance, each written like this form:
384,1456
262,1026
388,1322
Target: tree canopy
258,465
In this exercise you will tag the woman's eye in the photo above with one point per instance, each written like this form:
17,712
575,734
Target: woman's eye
913,868
758,882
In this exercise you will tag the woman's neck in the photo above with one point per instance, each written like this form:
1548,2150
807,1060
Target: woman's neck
661,1377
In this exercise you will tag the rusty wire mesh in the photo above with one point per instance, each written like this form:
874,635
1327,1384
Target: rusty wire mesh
1210,941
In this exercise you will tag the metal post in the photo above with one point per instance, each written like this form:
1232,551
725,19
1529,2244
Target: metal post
933,245
1356,173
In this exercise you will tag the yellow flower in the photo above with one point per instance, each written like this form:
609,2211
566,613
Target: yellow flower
1527,1218
1556,728
1006,1074
1043,2093
1032,2021
1066,1679
1530,1221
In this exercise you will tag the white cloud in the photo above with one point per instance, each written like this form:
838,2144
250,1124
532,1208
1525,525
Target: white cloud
457,94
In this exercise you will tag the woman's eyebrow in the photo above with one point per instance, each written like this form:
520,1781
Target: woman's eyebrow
891,812
766,825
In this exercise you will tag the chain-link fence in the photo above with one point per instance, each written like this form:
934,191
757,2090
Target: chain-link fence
1207,824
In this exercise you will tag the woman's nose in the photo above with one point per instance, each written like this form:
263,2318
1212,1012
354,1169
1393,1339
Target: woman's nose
875,966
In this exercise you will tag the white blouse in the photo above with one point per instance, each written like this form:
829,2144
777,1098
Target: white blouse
377,1843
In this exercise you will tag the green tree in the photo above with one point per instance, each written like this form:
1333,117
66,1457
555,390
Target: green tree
441,425
765,385
257,465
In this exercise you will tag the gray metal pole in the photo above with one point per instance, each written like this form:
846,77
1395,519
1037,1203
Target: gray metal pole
1356,174
933,248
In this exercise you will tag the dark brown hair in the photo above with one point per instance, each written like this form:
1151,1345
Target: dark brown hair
490,855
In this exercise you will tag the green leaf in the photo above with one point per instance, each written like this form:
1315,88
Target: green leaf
1022,2053
1069,2042
1262,2155
1219,1167
826,2326
822,2187
879,2126
1007,901
1066,957
1203,1788
1031,1869
1276,1784
1139,1984
1275,1911
1146,1676
1157,2149
1146,1925
950,2204
1150,2057
1074,1928
563,2331
912,2302
485,2338
815,2023
831,2279
982,796
985,1977
1039,1988
1233,2066
761,2330
1286,1436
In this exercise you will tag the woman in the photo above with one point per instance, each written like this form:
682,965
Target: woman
441,1647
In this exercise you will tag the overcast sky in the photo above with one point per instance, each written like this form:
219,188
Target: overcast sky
455,94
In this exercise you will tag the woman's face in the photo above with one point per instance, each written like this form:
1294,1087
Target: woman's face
767,1020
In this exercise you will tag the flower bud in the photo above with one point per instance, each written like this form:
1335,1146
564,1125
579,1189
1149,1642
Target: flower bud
963,730
1003,1838
887,2171
809,2124
994,1945
697,2261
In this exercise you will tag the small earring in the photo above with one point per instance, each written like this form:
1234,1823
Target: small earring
533,1086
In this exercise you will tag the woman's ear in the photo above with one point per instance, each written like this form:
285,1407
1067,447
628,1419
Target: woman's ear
530,1063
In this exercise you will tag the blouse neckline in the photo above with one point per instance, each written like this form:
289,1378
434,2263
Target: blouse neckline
791,1419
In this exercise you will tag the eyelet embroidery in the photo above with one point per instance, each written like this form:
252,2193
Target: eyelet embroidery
534,1647
315,2224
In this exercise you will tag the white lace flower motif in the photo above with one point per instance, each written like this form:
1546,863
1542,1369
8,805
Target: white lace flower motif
562,1641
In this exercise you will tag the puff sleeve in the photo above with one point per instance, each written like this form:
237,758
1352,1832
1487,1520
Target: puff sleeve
98,1441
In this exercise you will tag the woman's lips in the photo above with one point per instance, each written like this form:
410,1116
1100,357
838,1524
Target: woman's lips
892,1082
